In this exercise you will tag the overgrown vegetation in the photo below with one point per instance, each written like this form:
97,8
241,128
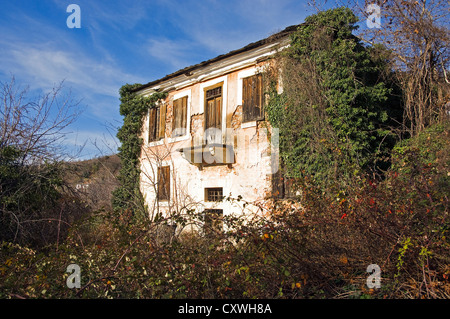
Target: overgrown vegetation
133,108
337,128
334,109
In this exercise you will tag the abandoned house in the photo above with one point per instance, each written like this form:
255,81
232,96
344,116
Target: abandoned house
209,139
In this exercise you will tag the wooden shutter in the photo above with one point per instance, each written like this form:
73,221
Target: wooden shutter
252,98
162,121
152,124
210,113
176,117
246,99
163,183
183,121
218,112
180,116
214,113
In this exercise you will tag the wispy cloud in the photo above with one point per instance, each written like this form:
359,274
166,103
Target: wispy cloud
176,54
221,26
126,42
45,66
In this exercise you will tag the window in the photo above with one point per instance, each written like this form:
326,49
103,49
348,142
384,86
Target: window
157,123
252,98
213,221
163,183
179,117
213,194
213,109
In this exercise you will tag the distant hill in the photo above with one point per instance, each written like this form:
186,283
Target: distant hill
94,179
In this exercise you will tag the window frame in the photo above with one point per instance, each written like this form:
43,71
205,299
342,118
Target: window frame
156,133
216,197
218,100
186,136
251,101
163,174
205,86
179,120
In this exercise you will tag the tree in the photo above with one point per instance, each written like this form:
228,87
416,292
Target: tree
334,102
30,175
417,36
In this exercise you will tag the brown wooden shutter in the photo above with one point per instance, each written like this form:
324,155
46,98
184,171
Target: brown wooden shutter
183,121
152,124
210,114
163,185
180,116
252,98
218,112
246,99
162,121
213,111
176,116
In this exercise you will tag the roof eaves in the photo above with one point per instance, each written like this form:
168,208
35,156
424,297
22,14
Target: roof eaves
248,47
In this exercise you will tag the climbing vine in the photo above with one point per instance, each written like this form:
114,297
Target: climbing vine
334,105
133,107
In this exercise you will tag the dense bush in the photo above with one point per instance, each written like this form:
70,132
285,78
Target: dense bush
334,109
317,249
318,245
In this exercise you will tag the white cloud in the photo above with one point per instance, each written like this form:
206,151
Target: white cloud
86,144
46,66
175,53
222,26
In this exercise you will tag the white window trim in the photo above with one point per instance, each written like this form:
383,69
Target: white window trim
248,124
176,96
241,76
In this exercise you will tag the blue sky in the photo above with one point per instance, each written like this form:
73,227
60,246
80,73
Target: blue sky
123,42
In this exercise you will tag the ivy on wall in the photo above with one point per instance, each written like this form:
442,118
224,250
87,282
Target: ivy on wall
335,104
133,107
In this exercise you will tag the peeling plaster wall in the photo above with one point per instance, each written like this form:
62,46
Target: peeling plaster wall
249,177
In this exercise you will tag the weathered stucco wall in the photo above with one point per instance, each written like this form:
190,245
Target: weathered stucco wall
249,177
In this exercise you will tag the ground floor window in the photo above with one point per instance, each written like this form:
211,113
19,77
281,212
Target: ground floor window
214,194
213,221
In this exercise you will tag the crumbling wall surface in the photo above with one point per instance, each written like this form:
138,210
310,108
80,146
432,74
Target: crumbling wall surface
248,177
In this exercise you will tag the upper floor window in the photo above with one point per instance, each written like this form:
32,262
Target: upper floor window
156,123
252,98
179,124
213,111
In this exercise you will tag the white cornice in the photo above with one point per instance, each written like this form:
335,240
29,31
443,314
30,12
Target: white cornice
221,67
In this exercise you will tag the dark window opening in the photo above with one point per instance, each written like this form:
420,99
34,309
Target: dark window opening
214,194
213,221
163,183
